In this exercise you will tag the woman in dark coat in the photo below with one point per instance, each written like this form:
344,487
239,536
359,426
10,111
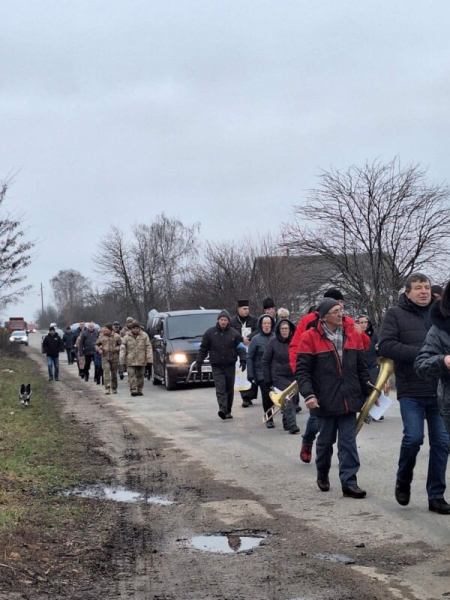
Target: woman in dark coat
433,360
254,361
370,354
277,370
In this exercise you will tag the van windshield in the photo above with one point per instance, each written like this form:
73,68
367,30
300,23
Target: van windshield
189,326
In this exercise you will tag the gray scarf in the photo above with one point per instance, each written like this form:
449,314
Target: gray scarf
337,338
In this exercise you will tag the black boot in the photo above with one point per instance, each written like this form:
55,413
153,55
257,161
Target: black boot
403,493
323,481
353,491
439,506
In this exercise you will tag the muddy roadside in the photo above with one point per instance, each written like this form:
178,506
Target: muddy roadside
144,551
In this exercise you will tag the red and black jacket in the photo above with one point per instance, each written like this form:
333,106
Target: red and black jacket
340,387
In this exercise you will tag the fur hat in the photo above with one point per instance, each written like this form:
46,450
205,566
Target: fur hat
241,303
325,305
268,303
334,293
135,324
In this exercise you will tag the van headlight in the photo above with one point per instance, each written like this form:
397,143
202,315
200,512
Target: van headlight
179,358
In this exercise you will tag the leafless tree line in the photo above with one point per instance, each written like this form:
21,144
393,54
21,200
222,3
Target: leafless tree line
364,230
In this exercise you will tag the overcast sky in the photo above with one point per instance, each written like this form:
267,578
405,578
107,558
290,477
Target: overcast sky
219,112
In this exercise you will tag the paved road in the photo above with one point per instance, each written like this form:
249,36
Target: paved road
244,452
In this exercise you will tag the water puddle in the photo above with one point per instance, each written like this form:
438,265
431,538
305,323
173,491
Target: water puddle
226,543
335,558
117,494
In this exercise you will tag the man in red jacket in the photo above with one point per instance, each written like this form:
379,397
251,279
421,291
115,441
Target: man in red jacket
312,426
335,388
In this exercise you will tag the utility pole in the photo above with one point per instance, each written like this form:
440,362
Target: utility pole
42,299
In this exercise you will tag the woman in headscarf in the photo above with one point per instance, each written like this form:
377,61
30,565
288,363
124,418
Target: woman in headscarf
277,369
255,355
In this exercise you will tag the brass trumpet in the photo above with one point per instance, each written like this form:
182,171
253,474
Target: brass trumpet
280,400
386,370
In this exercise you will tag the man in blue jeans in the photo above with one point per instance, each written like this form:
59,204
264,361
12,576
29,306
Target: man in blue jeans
402,334
52,345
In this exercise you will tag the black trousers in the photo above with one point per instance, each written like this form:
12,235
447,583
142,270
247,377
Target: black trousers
69,353
224,381
266,401
89,358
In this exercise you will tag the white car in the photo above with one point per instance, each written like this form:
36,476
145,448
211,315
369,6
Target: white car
19,337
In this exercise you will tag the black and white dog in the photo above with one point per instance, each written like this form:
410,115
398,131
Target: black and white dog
25,394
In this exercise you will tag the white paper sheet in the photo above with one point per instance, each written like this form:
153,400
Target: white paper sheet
378,411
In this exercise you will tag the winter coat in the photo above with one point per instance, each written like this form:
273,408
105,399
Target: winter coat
125,331
52,345
88,339
136,350
109,346
69,340
402,334
276,367
304,324
238,322
97,359
256,351
340,386
429,363
223,345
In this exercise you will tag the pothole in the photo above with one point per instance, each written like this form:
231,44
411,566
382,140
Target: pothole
335,558
227,543
117,494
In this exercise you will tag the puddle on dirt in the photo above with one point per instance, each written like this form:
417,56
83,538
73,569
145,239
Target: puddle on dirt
336,558
226,543
118,494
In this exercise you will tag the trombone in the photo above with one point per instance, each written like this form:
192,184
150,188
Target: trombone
280,400
386,370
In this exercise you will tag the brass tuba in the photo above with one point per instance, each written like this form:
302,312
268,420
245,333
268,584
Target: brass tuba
386,370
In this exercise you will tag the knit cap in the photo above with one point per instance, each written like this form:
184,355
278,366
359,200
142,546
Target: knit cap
325,305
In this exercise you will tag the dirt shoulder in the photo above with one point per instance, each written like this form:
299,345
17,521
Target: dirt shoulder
142,551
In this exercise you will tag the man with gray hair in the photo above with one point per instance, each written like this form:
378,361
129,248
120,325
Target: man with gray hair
282,313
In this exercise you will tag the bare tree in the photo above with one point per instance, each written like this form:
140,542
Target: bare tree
114,261
70,289
15,253
176,247
373,226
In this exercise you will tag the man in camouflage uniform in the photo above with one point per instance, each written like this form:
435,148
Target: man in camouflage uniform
108,346
127,327
136,353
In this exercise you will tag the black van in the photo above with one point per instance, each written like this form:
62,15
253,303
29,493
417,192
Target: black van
176,338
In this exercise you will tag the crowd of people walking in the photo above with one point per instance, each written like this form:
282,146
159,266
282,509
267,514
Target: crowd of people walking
332,359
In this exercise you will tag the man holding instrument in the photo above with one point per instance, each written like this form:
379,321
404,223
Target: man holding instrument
402,334
333,378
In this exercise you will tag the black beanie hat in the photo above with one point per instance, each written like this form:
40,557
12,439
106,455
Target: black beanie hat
241,303
135,324
437,289
325,305
268,303
334,293
51,329
108,326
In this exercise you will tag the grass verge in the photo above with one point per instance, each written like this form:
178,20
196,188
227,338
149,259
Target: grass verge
42,453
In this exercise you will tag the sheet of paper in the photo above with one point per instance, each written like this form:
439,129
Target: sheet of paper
378,411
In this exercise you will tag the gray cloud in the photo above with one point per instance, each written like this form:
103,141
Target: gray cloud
219,112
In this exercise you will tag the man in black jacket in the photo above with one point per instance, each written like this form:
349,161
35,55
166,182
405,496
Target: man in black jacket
402,334
224,346
88,341
52,346
247,325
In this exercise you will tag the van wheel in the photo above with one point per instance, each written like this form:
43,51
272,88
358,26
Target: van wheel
169,380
